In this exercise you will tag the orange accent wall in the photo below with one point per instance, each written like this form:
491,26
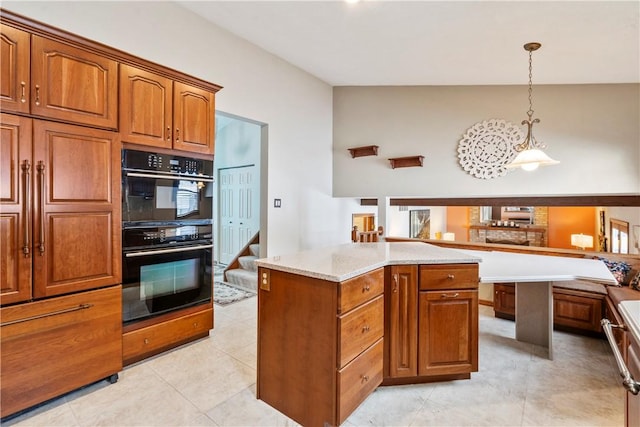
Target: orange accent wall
458,222
565,221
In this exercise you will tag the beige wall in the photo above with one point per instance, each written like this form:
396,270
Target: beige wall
592,129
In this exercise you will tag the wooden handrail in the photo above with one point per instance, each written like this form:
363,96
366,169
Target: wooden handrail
366,236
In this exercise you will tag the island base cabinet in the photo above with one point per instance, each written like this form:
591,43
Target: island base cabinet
448,338
54,346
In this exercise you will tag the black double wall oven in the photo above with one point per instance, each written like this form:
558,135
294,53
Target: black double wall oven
167,233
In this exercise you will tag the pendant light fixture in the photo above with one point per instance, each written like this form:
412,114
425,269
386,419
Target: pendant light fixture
530,154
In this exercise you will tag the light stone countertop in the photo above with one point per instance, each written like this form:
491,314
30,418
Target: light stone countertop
342,262
630,312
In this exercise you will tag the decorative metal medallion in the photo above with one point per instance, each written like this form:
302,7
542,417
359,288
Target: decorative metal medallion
487,147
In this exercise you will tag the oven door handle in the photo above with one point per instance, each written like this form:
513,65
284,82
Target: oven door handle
167,251
176,178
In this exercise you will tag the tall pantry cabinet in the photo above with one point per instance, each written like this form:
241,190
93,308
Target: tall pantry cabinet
68,107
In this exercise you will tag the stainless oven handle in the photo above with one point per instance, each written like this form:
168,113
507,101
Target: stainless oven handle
168,251
176,178
627,380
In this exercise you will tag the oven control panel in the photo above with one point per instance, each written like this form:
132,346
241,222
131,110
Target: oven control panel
164,235
165,163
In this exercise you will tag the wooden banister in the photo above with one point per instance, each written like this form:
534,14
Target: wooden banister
365,236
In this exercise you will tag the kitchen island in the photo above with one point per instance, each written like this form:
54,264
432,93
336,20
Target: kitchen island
335,323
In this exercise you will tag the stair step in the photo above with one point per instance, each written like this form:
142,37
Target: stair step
255,249
248,262
243,278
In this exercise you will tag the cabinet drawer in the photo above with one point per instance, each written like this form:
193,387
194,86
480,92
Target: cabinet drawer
449,276
358,379
359,329
54,346
354,292
152,339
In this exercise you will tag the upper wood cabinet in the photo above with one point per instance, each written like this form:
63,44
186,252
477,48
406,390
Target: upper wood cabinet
160,112
49,79
72,84
14,65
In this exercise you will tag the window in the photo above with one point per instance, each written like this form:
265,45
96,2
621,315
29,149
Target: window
619,236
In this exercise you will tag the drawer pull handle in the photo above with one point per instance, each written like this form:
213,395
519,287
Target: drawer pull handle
37,95
22,96
53,313
40,168
168,133
26,166
456,295
146,340
365,328
177,135
364,378
366,288
451,276
627,380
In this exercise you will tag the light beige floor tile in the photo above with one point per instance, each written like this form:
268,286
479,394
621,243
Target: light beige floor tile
53,414
243,409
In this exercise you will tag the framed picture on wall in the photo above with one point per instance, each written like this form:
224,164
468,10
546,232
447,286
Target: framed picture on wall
420,224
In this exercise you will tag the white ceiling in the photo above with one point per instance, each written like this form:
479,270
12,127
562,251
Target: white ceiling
393,42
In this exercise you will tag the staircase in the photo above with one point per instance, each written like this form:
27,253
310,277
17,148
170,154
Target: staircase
243,272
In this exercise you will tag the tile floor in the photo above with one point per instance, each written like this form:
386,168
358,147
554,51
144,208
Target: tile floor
211,382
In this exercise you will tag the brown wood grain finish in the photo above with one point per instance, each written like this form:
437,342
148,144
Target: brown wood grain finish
359,329
77,209
401,311
193,118
359,379
79,340
504,300
297,347
16,189
72,84
145,107
448,340
15,70
354,292
577,311
152,339
449,276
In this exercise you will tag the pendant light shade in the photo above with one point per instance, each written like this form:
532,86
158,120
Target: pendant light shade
530,155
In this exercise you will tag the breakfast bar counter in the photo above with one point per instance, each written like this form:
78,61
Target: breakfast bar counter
342,262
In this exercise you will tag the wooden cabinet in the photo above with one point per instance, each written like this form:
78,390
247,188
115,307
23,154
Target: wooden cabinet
50,79
60,209
54,346
320,344
160,112
15,69
573,310
146,339
16,209
401,328
504,300
448,307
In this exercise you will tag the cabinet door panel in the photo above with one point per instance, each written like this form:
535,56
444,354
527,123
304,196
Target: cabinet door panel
145,107
193,117
73,85
402,322
77,208
448,332
15,208
54,346
14,66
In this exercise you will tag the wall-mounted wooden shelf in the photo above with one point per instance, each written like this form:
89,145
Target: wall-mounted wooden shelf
406,162
368,150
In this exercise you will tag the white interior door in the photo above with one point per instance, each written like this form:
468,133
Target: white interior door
239,214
